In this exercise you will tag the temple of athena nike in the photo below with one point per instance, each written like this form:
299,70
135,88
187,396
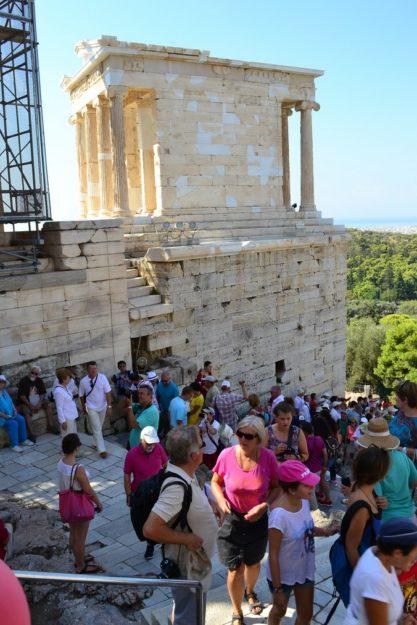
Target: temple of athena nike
187,246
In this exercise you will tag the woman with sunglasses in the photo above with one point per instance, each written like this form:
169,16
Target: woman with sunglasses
245,477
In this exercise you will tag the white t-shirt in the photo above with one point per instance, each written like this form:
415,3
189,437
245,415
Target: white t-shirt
277,400
66,407
96,400
296,554
298,402
64,476
335,414
200,516
371,580
305,413
210,447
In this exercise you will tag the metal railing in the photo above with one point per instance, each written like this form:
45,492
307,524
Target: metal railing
40,576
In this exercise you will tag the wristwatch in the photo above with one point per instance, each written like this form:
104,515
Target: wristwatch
277,589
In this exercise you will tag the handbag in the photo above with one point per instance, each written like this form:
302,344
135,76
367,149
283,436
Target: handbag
75,506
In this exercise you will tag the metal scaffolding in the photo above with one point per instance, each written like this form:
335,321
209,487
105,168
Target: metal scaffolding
24,191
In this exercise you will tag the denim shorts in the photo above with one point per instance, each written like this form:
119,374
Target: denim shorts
286,589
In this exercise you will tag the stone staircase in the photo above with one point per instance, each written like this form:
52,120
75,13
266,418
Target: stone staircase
144,302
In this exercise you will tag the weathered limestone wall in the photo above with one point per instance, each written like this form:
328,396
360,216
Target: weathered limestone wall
246,311
73,314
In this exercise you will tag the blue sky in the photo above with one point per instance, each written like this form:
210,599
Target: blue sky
366,131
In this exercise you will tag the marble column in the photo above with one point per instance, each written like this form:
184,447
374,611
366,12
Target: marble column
78,121
146,141
132,157
102,106
306,154
91,154
286,179
118,142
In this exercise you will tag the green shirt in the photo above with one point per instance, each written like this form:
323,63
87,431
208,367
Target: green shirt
144,417
396,487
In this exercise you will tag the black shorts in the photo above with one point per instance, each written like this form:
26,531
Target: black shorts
242,541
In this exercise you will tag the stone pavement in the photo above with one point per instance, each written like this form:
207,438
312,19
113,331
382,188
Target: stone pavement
31,476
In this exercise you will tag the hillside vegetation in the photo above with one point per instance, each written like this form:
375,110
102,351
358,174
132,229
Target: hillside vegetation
381,309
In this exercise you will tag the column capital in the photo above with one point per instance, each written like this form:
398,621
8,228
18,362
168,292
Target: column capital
307,105
114,91
286,110
101,100
75,119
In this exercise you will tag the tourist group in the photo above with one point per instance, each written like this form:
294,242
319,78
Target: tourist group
209,469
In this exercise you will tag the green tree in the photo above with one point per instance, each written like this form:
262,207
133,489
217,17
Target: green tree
363,346
398,358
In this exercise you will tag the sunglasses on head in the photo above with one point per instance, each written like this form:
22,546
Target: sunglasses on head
247,437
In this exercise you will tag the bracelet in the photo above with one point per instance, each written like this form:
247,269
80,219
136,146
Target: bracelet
276,589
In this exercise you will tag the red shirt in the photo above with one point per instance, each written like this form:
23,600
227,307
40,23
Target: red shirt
144,465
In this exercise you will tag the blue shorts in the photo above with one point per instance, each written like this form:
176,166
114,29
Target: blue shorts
286,589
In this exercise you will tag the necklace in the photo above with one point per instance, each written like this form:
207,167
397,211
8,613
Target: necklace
240,457
372,503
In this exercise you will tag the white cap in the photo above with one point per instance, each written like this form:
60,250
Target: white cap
209,411
151,375
3,378
149,435
225,384
364,420
336,404
209,378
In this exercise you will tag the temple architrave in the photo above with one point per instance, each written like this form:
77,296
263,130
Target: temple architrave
188,246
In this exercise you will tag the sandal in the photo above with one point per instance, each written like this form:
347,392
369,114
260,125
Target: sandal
255,606
237,619
89,558
89,568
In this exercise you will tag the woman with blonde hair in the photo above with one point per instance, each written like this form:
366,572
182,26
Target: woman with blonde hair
245,478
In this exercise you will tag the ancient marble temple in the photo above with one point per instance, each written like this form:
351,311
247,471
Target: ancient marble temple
192,152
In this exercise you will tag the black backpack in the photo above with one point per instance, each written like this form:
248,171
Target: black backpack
147,494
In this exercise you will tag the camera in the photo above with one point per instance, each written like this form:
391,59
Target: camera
169,570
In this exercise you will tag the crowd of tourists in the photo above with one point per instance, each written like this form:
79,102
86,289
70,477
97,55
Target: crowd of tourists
203,474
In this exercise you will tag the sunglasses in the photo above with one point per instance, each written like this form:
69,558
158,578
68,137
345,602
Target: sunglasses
247,437
34,373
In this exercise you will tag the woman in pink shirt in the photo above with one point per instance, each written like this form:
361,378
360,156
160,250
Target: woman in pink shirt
244,478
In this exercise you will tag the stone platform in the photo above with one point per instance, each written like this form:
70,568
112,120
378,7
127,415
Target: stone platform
31,477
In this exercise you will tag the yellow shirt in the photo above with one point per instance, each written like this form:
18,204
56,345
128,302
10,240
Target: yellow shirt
196,405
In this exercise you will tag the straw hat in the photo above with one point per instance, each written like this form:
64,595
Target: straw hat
376,433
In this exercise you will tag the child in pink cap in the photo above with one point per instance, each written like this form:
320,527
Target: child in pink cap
291,564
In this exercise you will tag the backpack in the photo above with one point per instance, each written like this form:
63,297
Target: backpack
147,494
341,568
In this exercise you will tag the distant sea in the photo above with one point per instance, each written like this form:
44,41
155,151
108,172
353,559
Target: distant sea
405,226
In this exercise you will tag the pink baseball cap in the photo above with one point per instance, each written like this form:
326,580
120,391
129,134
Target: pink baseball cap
296,471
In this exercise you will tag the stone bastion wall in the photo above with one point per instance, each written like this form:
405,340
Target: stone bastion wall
257,309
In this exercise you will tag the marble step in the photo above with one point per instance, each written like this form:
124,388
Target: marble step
136,281
146,300
131,274
139,291
146,312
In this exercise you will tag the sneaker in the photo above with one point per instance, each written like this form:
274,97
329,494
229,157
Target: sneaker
32,438
17,449
28,443
149,552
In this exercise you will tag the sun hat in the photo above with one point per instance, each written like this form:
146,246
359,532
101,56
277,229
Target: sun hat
151,375
225,384
377,433
209,411
209,378
149,435
296,471
399,531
